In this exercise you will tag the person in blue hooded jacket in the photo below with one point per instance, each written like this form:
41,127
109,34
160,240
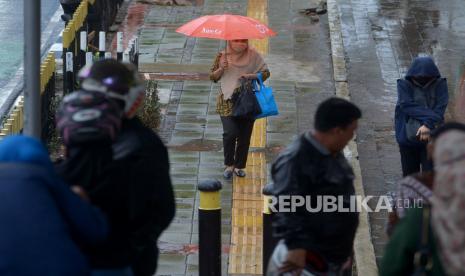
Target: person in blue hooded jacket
421,104
41,219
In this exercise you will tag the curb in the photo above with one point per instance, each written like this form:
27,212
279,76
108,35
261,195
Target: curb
364,252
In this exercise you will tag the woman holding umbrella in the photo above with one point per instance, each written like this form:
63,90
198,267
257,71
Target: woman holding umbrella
236,62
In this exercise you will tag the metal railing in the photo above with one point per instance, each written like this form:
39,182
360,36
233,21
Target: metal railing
75,45
77,52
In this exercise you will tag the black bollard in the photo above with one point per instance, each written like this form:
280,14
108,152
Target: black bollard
210,228
269,242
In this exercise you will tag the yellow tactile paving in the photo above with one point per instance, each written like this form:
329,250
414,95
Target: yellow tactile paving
259,134
245,256
258,9
247,217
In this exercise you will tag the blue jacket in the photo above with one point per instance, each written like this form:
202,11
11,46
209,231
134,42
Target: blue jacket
41,218
406,106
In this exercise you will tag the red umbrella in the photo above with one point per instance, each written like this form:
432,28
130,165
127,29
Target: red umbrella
226,27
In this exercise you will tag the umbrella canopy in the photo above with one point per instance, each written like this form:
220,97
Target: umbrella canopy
226,27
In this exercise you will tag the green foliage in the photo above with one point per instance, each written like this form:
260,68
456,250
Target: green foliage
149,113
54,142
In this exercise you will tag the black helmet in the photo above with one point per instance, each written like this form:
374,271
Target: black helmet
118,80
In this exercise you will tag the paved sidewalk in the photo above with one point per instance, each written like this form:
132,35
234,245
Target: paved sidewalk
380,39
193,130
190,126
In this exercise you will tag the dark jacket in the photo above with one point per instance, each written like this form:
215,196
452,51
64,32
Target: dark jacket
41,218
407,106
133,189
305,168
145,156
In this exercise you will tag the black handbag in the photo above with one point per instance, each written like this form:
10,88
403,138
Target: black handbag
245,104
411,129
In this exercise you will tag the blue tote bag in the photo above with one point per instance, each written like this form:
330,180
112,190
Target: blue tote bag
265,99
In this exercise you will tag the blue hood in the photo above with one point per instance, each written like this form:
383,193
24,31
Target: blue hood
23,149
424,67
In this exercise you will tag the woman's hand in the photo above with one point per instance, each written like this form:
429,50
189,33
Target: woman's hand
423,133
222,66
223,63
249,76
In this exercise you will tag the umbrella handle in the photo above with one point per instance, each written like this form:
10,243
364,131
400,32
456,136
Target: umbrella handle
226,53
226,56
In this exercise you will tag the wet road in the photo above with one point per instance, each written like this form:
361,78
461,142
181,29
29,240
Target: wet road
11,33
381,37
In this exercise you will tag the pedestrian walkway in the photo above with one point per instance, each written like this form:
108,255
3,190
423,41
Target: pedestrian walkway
301,76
